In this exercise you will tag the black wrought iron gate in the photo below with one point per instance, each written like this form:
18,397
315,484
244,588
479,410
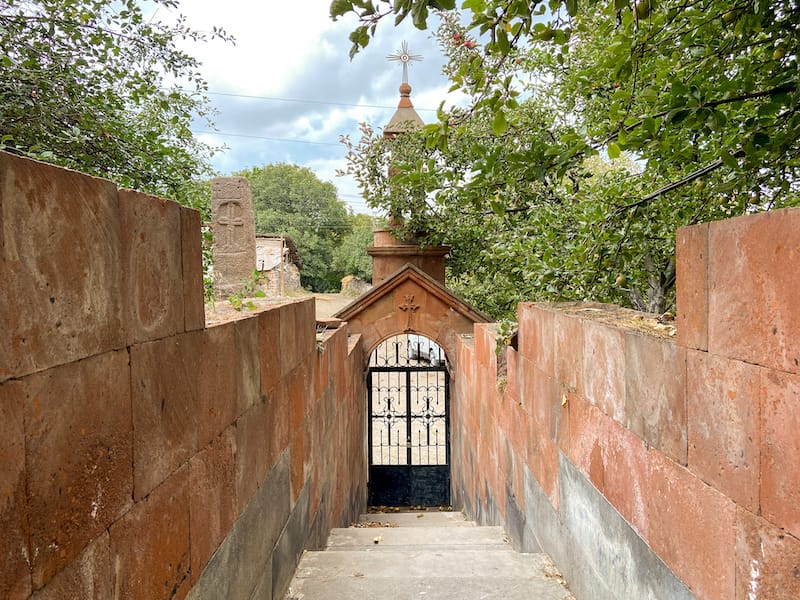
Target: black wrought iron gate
408,392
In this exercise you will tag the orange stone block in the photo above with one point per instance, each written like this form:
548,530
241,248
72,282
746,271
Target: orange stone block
150,544
536,335
78,456
269,348
212,504
603,372
15,576
588,428
754,284
691,272
216,381
568,349
297,452
253,454
688,524
655,392
724,399
163,385
89,577
767,560
152,262
192,263
780,451
60,248
248,381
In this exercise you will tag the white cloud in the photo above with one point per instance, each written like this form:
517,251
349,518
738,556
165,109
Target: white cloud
295,60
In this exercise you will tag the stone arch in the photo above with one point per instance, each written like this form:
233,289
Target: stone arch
410,301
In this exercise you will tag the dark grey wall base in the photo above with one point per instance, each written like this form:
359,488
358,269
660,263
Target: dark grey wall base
290,546
598,552
242,566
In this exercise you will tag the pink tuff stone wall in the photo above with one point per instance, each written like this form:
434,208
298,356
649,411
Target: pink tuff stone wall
132,439
693,441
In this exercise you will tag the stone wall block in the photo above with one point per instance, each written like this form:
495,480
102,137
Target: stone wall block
216,381
212,503
277,415
297,384
754,284
536,335
192,264
60,252
588,428
655,392
78,456
724,399
485,344
248,381
270,351
89,577
691,272
780,451
568,348
603,370
15,576
690,525
150,544
291,344
164,392
152,262
252,453
767,559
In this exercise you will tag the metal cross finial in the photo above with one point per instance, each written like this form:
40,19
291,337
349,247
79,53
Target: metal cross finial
405,57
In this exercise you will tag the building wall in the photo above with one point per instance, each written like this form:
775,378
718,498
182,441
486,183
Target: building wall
651,467
141,454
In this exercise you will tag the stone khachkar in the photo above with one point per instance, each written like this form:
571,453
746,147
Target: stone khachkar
234,231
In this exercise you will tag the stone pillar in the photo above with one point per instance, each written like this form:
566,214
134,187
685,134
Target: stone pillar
234,230
389,254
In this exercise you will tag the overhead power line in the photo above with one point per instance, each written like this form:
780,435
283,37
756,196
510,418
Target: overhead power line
305,101
271,139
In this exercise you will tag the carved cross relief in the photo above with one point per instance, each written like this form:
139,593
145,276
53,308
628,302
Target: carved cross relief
409,307
230,217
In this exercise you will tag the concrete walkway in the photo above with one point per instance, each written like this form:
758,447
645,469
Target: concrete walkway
424,555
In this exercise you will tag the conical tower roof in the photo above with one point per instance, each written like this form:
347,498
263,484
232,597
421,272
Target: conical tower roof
405,118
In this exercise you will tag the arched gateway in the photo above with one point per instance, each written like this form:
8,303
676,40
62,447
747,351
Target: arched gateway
408,407
410,322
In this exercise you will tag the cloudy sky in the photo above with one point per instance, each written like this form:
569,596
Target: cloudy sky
287,89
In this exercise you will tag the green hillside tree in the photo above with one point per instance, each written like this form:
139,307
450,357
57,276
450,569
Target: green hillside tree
350,257
701,99
291,200
103,87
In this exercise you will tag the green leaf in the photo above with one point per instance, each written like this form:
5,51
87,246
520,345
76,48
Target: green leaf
613,151
572,7
499,123
340,8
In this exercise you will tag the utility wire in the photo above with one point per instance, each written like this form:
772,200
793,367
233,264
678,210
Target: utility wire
302,101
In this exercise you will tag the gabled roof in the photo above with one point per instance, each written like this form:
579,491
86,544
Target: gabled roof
410,273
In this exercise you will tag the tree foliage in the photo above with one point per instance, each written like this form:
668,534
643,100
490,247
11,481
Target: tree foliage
350,257
700,98
291,200
102,87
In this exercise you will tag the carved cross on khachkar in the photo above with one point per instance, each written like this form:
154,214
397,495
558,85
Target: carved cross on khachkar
404,57
230,218
234,230
409,308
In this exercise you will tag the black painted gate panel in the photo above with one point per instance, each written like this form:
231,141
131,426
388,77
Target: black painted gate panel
409,429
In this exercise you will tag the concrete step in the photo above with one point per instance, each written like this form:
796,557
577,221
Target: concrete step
419,519
391,537
429,574
403,556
